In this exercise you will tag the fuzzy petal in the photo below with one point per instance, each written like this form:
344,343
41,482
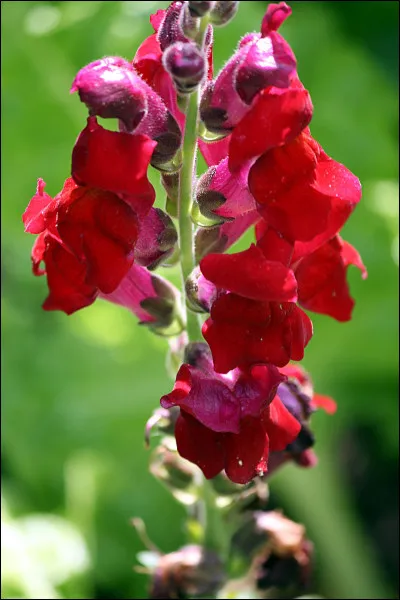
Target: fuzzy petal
112,161
281,427
321,276
276,117
245,450
200,445
100,229
206,398
249,274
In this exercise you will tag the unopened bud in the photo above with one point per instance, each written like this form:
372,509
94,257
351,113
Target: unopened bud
198,354
164,308
157,239
209,240
111,88
200,292
186,64
209,199
162,420
170,183
199,8
175,472
167,156
223,12
213,117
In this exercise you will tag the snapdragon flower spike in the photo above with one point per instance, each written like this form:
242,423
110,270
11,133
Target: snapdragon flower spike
303,193
157,239
228,422
151,298
87,240
111,88
242,332
262,62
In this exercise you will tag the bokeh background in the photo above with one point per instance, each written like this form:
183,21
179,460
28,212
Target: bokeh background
77,390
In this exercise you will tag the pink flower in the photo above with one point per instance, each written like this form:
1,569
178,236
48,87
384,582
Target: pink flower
228,422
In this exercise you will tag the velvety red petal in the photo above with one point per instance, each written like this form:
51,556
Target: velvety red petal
200,445
243,332
275,118
206,398
324,402
249,274
244,451
34,217
350,256
37,254
256,388
228,346
300,331
321,276
102,230
214,152
274,17
281,427
304,194
112,161
66,278
273,245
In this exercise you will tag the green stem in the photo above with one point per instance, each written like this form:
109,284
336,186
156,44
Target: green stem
216,532
185,206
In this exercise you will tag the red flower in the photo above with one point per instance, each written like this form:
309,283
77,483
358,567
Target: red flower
228,422
87,239
303,193
242,332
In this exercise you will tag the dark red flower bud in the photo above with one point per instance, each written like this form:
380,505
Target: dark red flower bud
199,8
110,88
162,420
218,239
223,12
157,239
176,23
186,64
200,292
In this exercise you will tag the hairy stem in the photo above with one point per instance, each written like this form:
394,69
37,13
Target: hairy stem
184,207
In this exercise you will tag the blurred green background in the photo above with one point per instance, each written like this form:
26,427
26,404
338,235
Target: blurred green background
77,390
